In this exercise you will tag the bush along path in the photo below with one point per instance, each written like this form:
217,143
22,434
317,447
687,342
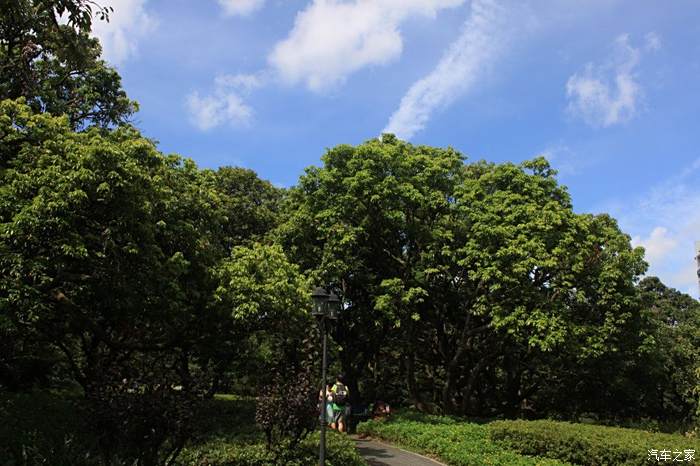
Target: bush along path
453,441
458,442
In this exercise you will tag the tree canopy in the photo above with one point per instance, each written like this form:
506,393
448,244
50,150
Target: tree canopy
464,276
48,57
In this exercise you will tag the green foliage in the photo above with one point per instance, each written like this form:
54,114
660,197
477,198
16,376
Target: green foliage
57,67
669,359
114,261
260,286
144,419
227,436
98,230
286,410
265,300
476,284
44,428
252,205
586,444
340,451
466,288
455,442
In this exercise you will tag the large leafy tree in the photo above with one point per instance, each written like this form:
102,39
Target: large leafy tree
119,262
668,368
99,230
459,274
107,241
360,224
48,57
265,300
521,270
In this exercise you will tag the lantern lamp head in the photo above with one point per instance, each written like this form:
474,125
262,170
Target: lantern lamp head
320,298
333,306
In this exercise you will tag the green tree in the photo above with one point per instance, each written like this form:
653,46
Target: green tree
115,259
448,268
264,300
361,223
670,361
48,57
252,205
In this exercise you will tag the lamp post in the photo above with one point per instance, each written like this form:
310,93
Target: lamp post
326,306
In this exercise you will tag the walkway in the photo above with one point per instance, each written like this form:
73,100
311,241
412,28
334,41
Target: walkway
381,454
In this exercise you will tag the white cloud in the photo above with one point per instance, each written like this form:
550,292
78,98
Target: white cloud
666,222
225,105
240,7
211,111
333,38
653,41
241,82
609,94
657,245
480,44
128,24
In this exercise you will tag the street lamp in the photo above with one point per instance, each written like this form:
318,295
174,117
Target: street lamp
326,306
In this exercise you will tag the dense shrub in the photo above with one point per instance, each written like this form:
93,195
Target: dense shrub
50,429
340,452
588,444
226,435
286,410
455,442
40,428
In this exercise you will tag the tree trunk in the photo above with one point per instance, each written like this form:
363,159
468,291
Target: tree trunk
413,391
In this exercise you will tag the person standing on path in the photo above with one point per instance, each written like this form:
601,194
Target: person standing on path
329,404
341,404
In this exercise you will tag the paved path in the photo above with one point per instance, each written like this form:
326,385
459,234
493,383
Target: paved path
381,454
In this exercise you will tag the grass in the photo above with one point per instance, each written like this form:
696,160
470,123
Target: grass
459,442
227,436
452,441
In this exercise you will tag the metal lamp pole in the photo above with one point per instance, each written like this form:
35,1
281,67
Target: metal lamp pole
324,420
326,306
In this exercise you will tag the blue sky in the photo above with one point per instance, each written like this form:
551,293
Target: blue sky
607,90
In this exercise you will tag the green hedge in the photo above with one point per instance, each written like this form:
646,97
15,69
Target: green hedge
228,436
589,445
454,442
340,451
41,428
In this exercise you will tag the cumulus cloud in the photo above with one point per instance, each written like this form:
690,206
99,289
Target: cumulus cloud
240,7
479,45
225,105
334,38
127,26
666,222
657,245
610,94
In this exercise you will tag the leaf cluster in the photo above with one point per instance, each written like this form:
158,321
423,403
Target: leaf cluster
48,57
585,444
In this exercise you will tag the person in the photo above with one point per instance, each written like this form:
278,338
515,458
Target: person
329,405
341,403
380,410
